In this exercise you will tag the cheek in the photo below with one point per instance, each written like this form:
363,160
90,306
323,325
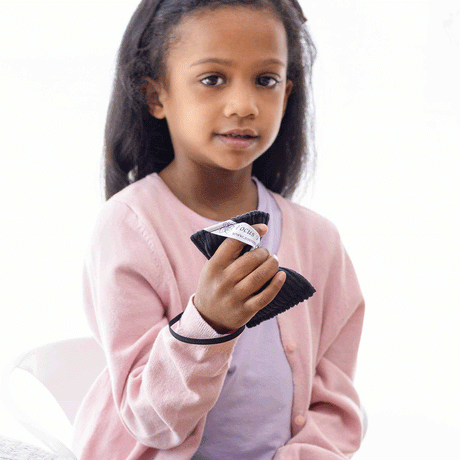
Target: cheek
197,107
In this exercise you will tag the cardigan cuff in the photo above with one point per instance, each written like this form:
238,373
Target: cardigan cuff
221,339
192,324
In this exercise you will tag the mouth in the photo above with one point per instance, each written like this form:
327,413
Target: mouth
237,136
237,142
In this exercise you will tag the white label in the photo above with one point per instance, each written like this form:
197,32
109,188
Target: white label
240,231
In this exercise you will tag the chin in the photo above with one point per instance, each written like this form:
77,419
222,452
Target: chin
236,164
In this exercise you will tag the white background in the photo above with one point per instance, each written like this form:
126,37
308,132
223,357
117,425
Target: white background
388,141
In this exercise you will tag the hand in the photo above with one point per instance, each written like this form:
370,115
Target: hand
224,296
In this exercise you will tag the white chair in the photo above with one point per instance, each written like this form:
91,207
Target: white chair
67,369
365,421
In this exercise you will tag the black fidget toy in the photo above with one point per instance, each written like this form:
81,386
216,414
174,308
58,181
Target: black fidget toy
295,289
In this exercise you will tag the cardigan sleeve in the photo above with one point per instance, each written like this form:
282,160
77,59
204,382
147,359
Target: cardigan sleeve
162,388
333,424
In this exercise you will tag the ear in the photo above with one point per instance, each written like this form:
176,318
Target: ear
289,86
153,94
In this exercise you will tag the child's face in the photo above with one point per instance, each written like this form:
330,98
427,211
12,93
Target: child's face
207,99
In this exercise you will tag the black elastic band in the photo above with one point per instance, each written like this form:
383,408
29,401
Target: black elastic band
202,341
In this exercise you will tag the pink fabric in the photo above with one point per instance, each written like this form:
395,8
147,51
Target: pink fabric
152,399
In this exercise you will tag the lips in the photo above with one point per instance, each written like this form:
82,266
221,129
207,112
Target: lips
238,143
233,136
240,134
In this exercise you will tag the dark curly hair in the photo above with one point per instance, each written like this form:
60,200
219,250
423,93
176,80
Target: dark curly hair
138,144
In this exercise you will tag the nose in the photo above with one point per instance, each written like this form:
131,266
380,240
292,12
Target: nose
241,100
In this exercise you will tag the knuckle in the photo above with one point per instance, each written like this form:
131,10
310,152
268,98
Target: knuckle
238,291
253,307
263,253
247,308
275,260
264,299
258,276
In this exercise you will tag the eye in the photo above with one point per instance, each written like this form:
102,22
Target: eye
212,77
209,78
271,78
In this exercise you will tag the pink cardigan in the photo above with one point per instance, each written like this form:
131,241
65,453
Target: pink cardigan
152,399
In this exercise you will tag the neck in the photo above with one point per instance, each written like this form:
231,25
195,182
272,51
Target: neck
214,194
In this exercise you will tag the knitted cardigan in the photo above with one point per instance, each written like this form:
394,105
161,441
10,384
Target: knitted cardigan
152,399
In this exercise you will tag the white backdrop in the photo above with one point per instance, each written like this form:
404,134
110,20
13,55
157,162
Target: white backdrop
388,140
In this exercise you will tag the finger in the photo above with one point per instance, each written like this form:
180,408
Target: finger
246,264
262,299
256,280
231,248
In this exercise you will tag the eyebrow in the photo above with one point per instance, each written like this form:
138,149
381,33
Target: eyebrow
231,63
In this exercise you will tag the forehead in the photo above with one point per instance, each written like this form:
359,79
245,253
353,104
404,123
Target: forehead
240,34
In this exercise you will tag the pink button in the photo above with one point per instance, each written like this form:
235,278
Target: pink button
291,347
299,420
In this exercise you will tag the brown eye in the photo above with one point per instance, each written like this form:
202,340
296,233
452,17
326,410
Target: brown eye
211,77
270,78
265,78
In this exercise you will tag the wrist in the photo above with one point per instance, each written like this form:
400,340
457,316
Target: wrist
218,328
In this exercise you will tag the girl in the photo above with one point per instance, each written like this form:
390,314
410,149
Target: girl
192,75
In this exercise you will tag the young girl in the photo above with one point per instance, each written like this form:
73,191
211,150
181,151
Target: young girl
192,75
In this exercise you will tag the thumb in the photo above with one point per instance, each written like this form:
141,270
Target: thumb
261,229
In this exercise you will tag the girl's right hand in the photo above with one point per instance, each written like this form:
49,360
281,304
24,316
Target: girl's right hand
224,296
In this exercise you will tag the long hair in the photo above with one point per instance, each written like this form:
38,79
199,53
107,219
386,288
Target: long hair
138,144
